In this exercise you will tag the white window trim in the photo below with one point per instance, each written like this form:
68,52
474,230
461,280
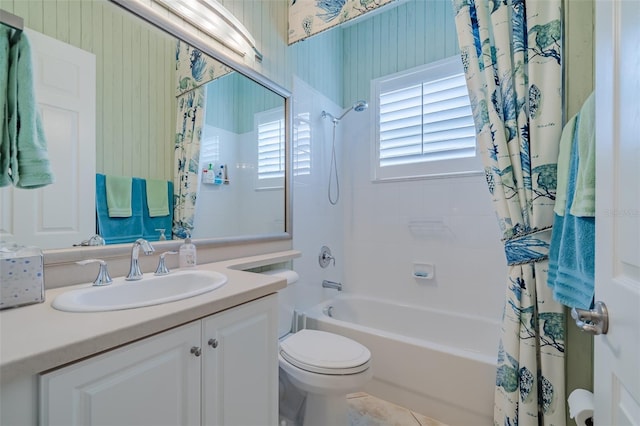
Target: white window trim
422,170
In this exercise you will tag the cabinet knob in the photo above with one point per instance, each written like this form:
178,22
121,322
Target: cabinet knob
196,351
213,343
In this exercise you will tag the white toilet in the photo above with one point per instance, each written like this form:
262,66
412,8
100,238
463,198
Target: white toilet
325,366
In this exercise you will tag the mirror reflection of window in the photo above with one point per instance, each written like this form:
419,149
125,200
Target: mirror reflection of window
302,145
270,130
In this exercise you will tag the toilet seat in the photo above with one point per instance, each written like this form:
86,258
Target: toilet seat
325,353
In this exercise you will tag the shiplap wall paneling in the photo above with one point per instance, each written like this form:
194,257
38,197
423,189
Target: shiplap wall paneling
135,67
414,33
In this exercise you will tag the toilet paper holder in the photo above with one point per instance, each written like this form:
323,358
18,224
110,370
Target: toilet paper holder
581,405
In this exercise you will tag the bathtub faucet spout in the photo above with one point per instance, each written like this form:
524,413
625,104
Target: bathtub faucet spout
331,284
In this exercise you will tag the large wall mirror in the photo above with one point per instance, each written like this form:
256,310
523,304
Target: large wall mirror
143,76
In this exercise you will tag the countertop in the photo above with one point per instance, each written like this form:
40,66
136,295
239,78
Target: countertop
37,338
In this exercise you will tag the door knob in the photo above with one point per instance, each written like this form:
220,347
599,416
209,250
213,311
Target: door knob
196,351
594,321
213,343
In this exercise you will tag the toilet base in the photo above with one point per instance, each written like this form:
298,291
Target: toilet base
323,410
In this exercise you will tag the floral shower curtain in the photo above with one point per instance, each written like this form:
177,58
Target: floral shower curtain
310,17
511,53
187,159
193,70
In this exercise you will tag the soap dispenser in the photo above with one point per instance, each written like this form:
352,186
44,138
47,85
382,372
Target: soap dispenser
187,256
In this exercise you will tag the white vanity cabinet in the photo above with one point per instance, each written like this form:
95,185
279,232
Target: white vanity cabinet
240,366
221,370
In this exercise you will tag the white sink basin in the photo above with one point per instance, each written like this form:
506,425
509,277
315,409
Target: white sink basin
150,290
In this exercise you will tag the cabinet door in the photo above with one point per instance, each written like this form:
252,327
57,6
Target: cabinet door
240,366
155,381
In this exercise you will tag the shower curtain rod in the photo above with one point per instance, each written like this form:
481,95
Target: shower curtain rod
13,21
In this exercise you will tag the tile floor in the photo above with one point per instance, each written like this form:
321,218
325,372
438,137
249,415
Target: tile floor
367,410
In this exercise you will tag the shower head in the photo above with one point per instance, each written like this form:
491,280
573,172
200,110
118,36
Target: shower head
358,107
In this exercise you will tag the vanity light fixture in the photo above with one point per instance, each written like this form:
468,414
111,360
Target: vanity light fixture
216,21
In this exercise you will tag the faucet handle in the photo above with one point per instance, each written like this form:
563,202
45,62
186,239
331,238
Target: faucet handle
103,277
162,267
325,257
96,240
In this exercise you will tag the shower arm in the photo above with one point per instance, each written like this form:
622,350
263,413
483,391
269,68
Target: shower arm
358,106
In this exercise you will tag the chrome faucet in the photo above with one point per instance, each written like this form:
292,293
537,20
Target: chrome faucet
134,270
331,284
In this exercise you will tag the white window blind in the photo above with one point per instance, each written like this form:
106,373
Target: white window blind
271,144
209,150
271,152
425,122
302,145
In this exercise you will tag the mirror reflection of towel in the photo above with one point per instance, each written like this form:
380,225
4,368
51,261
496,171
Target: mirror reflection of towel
118,230
157,198
26,145
5,175
118,196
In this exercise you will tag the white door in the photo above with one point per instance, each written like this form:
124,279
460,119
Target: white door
63,213
617,354
153,382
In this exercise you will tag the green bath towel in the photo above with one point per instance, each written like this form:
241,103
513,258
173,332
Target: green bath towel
157,198
584,201
5,177
118,190
566,141
28,158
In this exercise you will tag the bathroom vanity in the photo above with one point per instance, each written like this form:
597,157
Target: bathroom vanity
210,359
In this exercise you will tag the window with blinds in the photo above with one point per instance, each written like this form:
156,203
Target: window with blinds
425,122
271,152
270,128
302,144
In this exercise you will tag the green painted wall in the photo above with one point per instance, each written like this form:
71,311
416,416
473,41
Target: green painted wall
579,83
233,100
135,66
317,61
414,33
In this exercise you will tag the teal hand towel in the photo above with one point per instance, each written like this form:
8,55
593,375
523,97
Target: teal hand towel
118,190
157,198
572,250
5,142
29,159
584,200
566,140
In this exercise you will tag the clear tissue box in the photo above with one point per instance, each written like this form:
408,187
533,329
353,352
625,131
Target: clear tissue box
21,276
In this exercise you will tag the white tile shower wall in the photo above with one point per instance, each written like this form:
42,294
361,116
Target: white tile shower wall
315,221
228,210
368,231
252,198
380,249
217,205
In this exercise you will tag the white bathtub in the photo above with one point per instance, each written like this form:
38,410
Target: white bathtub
436,363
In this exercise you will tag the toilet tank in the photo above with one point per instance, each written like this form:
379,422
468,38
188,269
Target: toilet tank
286,300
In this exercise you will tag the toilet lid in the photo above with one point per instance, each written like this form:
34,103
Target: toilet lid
325,353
